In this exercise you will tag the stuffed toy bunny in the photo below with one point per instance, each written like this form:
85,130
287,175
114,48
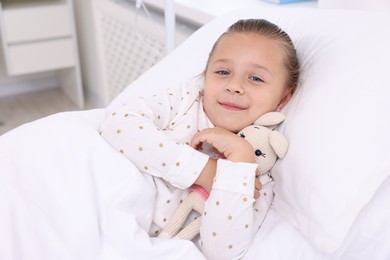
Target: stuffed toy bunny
268,146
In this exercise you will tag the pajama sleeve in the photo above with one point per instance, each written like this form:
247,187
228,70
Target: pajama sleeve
152,133
232,216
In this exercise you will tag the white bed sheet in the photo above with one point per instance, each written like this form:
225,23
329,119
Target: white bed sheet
368,237
66,194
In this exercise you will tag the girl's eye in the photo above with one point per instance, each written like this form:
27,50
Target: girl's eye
223,72
256,79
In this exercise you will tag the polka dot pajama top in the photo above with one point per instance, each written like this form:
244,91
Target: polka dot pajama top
154,133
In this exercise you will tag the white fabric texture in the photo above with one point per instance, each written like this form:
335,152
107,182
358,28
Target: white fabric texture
337,123
66,194
241,211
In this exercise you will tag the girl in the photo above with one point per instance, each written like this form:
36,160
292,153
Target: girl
180,136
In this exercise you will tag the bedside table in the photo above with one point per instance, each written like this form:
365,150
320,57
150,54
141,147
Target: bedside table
39,36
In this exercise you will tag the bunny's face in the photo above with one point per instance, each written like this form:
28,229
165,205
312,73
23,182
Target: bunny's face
259,138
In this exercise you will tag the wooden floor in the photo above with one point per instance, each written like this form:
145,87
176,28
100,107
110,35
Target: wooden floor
19,109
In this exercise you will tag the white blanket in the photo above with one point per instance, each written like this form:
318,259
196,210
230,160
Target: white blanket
66,194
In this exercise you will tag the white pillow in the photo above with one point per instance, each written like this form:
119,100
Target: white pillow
338,122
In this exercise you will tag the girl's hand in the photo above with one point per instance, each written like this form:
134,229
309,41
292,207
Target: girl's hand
231,146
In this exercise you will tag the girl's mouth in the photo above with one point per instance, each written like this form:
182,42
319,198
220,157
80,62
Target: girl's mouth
231,106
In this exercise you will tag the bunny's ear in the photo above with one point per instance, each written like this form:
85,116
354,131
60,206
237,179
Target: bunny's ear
270,119
278,143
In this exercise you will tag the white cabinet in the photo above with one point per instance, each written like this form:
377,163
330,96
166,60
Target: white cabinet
36,22
39,36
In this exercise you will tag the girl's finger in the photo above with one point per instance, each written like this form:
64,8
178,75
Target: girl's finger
196,141
200,137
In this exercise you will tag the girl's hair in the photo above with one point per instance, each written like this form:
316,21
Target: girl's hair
274,32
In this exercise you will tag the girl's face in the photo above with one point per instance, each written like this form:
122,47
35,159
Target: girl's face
245,78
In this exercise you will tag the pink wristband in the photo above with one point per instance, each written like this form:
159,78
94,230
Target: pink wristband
199,189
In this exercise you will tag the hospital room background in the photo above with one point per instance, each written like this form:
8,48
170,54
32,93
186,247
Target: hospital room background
63,55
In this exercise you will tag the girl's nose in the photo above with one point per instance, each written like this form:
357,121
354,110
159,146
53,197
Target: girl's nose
235,87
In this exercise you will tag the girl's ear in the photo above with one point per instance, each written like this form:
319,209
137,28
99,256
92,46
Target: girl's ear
286,97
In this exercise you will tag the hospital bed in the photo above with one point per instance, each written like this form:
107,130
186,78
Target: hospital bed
67,194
